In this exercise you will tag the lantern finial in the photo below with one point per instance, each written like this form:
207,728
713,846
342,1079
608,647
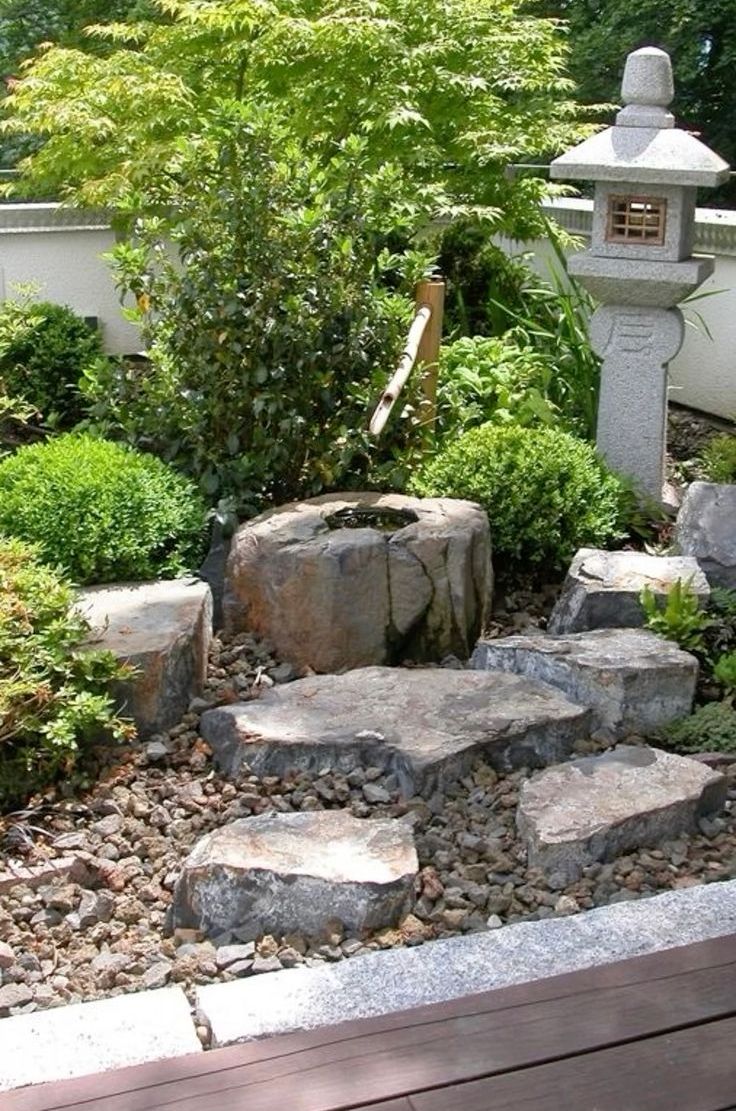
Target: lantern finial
647,89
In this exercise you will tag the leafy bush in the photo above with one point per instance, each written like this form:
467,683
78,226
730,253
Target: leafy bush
103,511
484,285
712,728
681,618
719,459
546,493
491,380
724,673
44,351
53,696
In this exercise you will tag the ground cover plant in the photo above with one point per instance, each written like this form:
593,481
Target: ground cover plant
719,459
103,511
54,703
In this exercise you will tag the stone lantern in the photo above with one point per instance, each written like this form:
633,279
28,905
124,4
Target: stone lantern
640,262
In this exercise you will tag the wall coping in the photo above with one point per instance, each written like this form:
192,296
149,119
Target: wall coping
20,219
715,228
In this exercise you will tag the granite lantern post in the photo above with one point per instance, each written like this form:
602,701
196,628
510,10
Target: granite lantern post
640,262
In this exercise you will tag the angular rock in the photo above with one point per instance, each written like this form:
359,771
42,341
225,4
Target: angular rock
602,588
163,629
278,873
330,597
425,725
598,807
633,680
706,530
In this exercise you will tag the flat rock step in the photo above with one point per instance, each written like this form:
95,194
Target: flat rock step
426,725
598,807
634,681
283,873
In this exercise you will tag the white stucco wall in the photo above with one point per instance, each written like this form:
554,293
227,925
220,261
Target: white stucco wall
703,375
61,251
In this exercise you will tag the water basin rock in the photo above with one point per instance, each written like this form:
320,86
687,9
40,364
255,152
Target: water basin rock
602,588
597,807
348,580
278,873
426,725
706,530
633,680
163,629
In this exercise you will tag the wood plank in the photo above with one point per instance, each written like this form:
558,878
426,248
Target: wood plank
652,967
692,1070
385,1066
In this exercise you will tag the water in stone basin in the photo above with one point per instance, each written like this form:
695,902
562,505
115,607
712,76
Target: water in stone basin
383,518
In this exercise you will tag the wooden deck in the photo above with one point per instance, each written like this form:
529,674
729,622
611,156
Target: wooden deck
657,1033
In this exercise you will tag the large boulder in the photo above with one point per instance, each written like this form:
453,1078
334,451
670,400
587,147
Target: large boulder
282,873
598,807
633,680
348,580
602,589
706,530
425,725
163,629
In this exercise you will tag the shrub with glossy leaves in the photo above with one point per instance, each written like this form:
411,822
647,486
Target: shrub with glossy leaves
54,701
103,511
545,492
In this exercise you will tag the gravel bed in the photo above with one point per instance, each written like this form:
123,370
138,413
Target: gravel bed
99,927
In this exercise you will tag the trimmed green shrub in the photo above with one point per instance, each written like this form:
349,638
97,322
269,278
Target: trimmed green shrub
53,696
712,728
719,459
45,349
105,512
546,493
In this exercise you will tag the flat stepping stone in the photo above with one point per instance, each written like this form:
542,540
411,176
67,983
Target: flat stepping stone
602,588
85,1038
348,580
283,873
598,807
164,630
633,680
706,530
426,725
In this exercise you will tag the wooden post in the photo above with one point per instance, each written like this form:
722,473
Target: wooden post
431,293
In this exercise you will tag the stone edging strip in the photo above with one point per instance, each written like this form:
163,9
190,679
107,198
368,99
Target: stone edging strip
86,1038
395,980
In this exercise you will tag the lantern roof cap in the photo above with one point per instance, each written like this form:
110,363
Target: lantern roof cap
644,146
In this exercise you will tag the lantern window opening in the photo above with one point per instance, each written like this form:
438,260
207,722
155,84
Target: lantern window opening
636,220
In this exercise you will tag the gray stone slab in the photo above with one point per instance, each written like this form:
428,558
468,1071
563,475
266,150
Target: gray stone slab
426,725
598,807
602,589
395,980
163,629
706,530
86,1038
284,873
633,680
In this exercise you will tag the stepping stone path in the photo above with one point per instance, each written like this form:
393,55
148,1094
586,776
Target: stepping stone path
706,530
282,873
602,588
347,580
164,630
425,725
634,681
598,807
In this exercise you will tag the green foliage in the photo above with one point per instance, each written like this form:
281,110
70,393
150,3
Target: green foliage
487,379
719,459
44,351
545,492
720,636
712,728
447,92
269,346
724,673
54,700
681,618
483,283
104,512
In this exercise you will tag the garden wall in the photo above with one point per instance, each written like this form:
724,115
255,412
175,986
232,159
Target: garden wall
61,250
704,373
